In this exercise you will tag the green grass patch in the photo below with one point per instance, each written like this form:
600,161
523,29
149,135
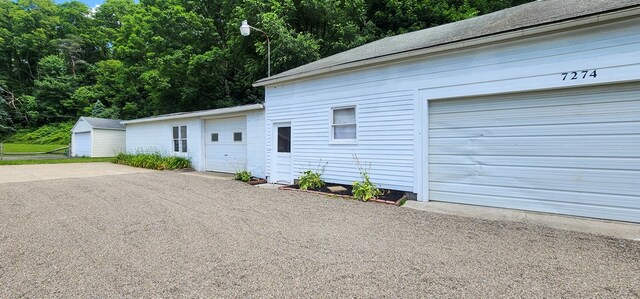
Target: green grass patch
55,161
59,133
153,161
30,148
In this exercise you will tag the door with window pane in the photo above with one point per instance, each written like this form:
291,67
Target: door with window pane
281,154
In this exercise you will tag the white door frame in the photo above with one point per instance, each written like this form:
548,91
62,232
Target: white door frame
274,151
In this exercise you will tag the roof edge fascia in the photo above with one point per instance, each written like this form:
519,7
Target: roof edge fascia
221,111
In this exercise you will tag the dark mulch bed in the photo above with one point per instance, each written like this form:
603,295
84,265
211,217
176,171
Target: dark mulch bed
256,181
345,190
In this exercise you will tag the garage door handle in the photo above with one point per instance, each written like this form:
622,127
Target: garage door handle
226,155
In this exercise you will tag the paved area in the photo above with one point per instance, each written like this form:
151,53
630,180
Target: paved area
169,234
38,172
614,229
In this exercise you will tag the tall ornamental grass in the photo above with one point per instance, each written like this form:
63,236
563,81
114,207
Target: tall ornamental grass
153,161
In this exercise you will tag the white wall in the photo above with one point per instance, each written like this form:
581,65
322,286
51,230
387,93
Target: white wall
157,136
256,143
108,143
81,126
392,99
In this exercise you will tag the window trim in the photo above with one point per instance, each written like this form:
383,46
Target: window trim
180,139
332,140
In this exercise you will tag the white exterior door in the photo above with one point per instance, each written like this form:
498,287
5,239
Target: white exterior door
226,144
281,154
574,151
82,144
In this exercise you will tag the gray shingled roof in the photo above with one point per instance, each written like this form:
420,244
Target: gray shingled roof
528,15
199,113
103,123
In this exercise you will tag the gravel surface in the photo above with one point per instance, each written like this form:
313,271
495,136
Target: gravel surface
167,234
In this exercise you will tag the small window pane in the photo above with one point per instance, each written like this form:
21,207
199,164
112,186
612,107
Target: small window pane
344,132
175,133
344,116
214,137
184,145
284,139
183,132
176,145
237,136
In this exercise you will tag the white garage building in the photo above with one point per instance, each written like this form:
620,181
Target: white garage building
536,107
220,140
97,137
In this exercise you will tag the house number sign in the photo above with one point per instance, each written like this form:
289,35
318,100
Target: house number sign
579,75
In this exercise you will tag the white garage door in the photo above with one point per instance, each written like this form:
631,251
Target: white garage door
226,144
82,144
573,152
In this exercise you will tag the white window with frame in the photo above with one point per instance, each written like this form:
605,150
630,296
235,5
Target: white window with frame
344,125
180,139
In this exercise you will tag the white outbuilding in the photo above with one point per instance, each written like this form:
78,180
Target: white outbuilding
536,107
220,140
97,137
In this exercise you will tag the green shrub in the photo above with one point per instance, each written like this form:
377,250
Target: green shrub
153,161
243,175
59,133
365,189
311,180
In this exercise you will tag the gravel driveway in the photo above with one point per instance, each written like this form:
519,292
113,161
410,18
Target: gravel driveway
167,234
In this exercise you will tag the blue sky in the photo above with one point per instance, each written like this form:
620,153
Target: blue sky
90,3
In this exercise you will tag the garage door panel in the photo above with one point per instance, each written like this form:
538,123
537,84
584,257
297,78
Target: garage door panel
596,199
540,130
82,144
225,154
534,100
551,182
571,146
577,152
474,121
623,214
551,162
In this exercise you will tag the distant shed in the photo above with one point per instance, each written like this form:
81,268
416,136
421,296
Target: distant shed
97,137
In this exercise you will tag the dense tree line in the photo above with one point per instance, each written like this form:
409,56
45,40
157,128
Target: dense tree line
128,60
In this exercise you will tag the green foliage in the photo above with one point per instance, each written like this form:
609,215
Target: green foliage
365,189
141,58
244,176
55,161
30,148
152,161
311,180
59,133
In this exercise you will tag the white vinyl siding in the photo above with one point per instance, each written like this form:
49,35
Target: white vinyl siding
255,139
108,143
575,151
381,117
391,99
158,137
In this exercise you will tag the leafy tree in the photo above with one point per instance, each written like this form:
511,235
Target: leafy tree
130,60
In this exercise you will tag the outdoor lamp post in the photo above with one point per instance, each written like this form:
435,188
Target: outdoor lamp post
245,30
